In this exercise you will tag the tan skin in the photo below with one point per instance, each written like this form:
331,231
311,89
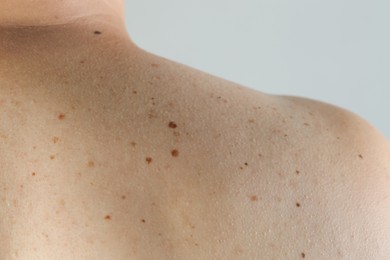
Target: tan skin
110,152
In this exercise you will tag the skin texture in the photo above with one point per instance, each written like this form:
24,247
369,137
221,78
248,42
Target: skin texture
110,152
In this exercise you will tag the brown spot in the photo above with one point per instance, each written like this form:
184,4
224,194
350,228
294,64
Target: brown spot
143,220
172,125
303,255
34,147
175,153
52,157
62,202
21,186
196,244
251,120
360,156
154,65
97,32
108,217
133,143
33,174
82,62
134,92
55,139
306,124
91,164
297,172
123,197
246,164
254,198
149,160
61,116
298,204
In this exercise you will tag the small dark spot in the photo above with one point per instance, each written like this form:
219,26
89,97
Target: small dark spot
61,116
196,244
21,186
133,143
143,220
246,164
82,62
298,205
254,198
338,138
172,125
33,174
108,217
149,160
360,156
297,172
52,157
306,124
154,65
175,153
285,135
55,139
134,92
241,168
123,197
303,255
97,32
91,164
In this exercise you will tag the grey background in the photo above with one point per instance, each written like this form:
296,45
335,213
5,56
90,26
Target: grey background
336,51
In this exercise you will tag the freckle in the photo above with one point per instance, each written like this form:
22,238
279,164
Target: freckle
172,125
175,153
52,157
143,220
21,186
149,160
241,168
91,164
108,217
338,138
306,124
82,62
251,120
154,65
97,32
133,144
303,255
123,197
297,172
285,135
55,139
34,147
61,116
360,156
298,204
134,92
33,174
254,198
196,244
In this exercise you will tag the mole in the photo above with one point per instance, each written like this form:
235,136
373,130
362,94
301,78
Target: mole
175,153
254,198
246,164
297,172
61,116
303,255
108,217
123,197
52,157
55,139
143,220
149,160
172,124
134,92
33,174
97,32
360,156
91,164
298,204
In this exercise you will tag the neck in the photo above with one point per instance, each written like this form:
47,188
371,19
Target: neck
37,13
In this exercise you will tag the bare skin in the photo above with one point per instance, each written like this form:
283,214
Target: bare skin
110,152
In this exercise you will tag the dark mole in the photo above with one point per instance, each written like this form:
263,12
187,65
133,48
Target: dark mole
134,92
303,255
97,32
360,156
298,204
143,220
61,116
246,164
172,125
254,198
149,160
297,172
175,153
52,157
33,174
108,217
91,164
123,197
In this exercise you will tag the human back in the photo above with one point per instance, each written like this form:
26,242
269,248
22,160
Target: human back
111,152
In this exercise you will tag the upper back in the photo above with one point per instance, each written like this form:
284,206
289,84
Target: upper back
155,160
